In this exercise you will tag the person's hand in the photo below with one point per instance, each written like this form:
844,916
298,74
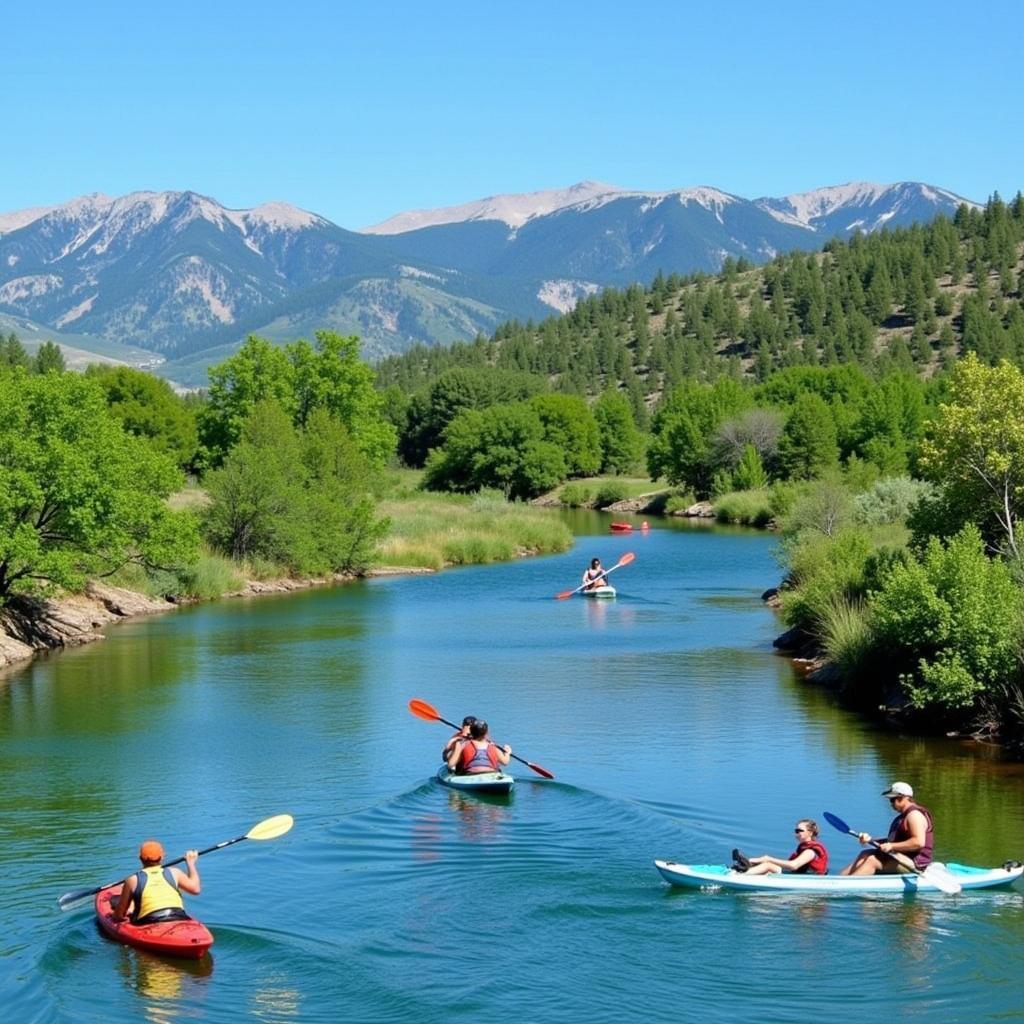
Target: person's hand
507,749
885,847
864,837
191,856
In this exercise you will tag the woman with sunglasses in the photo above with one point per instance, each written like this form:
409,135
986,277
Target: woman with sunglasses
809,858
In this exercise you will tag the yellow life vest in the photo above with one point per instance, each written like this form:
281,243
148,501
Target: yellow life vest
154,891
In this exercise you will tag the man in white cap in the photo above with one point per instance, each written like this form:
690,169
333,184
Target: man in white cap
911,833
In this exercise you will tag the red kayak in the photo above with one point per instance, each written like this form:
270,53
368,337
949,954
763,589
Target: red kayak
188,938
621,527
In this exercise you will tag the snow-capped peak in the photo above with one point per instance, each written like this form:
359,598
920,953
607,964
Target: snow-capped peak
515,210
804,208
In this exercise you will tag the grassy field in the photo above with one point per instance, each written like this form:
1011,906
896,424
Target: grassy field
435,530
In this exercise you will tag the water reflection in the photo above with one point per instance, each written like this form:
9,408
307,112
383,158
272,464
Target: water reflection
170,988
480,816
275,999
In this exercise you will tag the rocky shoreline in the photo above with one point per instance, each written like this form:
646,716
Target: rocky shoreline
31,626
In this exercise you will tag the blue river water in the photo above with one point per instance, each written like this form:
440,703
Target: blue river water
672,728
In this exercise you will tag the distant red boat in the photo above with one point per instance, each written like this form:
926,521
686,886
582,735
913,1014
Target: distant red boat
621,527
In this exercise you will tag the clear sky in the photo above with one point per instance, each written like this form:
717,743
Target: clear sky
358,111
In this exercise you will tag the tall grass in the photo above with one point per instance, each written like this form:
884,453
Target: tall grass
846,636
744,508
434,530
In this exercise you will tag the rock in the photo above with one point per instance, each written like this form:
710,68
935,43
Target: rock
629,505
771,597
702,510
125,602
794,639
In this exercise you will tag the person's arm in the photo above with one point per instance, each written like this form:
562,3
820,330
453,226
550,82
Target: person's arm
453,757
124,904
504,753
189,882
918,826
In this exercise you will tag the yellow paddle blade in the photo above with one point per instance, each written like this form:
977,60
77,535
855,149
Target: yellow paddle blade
271,828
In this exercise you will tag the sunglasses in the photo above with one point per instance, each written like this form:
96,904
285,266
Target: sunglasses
799,830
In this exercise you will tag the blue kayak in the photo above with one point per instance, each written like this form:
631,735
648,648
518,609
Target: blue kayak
478,782
715,876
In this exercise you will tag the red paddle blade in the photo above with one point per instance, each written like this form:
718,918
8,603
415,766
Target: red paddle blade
421,709
564,594
540,771
627,558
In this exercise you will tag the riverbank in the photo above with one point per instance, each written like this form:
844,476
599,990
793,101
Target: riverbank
428,533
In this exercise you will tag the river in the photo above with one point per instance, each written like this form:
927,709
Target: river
672,728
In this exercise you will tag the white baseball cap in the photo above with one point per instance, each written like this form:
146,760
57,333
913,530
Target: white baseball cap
899,789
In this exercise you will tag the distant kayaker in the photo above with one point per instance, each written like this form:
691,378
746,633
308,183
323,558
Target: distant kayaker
153,894
594,576
478,753
809,858
457,737
911,833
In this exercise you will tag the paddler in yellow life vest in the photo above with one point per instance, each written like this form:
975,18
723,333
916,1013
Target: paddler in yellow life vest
155,890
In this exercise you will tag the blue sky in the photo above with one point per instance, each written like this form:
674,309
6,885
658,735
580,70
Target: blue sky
358,112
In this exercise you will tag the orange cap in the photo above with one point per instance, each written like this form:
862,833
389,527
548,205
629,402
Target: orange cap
151,850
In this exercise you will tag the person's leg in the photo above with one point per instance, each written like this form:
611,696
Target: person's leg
867,863
764,868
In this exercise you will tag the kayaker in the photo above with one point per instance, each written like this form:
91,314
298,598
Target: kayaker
911,833
594,576
809,858
154,892
456,737
477,753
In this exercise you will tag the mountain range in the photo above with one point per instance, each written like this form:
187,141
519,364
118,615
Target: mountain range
174,280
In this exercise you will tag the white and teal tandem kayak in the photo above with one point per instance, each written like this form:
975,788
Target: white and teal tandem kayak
715,876
605,591
479,782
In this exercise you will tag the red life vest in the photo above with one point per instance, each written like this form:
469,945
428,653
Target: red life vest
898,832
818,866
478,759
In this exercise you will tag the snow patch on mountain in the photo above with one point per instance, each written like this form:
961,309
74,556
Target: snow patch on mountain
19,218
406,271
75,312
563,295
30,287
201,279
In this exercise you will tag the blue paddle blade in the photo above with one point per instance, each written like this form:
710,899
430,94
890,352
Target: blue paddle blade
836,822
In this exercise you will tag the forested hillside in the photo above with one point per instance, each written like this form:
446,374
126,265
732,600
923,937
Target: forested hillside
910,299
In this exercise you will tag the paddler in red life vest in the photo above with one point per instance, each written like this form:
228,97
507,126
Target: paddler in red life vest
154,891
457,737
809,858
594,576
477,753
911,833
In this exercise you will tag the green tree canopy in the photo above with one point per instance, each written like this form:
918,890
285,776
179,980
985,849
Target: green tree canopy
502,446
570,425
622,444
78,496
146,406
974,451
300,378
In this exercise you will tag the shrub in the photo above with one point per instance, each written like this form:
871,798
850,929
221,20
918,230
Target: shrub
575,495
745,508
890,500
610,492
675,502
951,620
825,506
823,570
